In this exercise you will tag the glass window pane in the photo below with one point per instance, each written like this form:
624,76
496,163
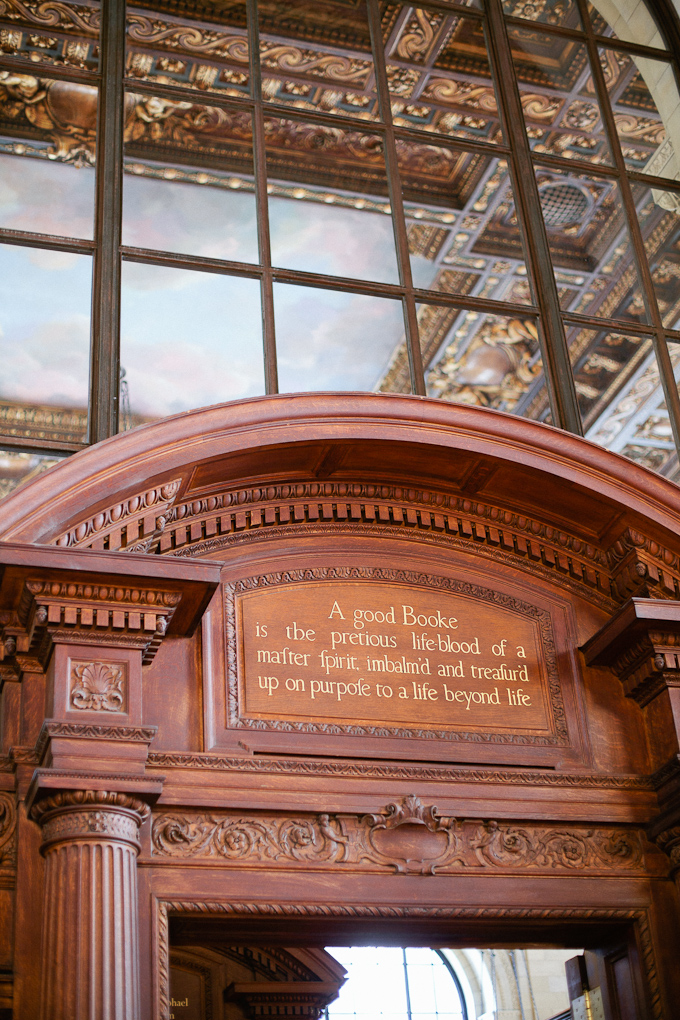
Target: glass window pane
315,226
331,340
205,209
603,361
561,112
635,423
659,216
63,33
463,234
45,301
439,75
317,57
482,359
590,246
188,339
18,468
646,104
377,980
563,13
208,56
632,23
43,195
47,151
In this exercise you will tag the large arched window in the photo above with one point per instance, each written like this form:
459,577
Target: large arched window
400,984
211,200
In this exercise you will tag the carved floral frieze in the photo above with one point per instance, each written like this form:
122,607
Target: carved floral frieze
406,837
98,686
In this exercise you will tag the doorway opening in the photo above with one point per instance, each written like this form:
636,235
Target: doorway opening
216,976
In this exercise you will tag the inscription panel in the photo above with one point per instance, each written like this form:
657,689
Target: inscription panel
391,653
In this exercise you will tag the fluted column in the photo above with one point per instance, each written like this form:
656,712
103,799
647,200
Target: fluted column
90,943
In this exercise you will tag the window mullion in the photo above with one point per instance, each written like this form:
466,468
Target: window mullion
669,387
263,233
396,204
105,356
554,350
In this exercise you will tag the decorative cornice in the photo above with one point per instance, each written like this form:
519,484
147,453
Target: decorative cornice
667,772
669,842
89,731
649,665
23,755
406,837
643,567
380,770
209,524
641,644
132,525
87,613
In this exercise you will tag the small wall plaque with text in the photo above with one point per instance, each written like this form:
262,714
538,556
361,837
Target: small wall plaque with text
369,655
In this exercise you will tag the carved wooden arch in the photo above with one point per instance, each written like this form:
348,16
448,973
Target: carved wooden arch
471,479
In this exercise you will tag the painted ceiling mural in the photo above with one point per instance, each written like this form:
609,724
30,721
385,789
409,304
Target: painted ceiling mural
190,188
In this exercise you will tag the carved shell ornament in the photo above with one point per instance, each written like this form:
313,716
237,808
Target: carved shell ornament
97,687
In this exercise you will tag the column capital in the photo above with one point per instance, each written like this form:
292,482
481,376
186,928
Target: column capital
668,840
90,815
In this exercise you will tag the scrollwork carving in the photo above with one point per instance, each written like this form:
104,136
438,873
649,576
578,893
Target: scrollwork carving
406,837
8,821
271,840
510,846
